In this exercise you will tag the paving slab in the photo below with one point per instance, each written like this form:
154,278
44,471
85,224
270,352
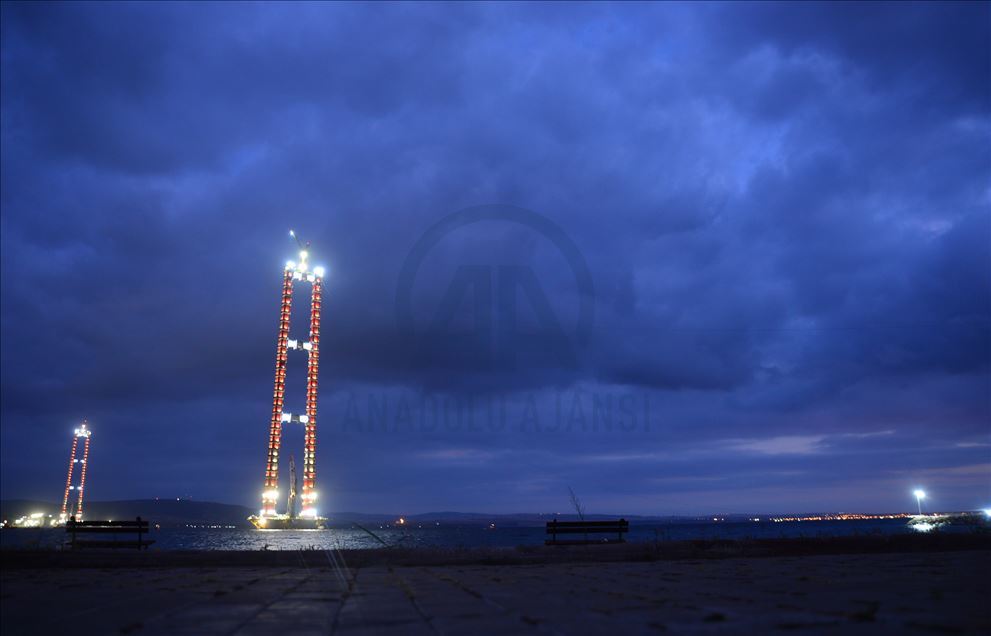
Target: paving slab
828,594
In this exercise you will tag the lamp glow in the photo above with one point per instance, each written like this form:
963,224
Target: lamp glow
919,496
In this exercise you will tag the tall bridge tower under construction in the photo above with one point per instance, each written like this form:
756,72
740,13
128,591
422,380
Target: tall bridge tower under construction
295,273
82,433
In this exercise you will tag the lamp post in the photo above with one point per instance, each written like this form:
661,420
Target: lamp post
919,496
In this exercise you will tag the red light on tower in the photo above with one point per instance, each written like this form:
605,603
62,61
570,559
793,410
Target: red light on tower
84,433
295,272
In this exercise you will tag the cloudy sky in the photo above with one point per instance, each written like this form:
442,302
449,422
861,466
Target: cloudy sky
736,257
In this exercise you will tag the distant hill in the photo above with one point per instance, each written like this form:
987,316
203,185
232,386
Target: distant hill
525,518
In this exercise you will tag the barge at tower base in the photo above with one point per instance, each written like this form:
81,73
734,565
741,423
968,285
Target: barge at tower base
285,522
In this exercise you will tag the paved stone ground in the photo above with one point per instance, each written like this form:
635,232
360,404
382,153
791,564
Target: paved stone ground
868,594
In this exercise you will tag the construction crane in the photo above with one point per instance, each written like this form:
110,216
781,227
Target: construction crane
303,247
293,486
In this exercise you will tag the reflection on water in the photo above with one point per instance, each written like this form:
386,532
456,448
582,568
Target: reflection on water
451,536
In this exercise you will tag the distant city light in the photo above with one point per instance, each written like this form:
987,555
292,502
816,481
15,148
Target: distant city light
319,271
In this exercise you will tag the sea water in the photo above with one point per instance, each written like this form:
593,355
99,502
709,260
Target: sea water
454,536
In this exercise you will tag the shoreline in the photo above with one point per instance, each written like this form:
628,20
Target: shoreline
698,549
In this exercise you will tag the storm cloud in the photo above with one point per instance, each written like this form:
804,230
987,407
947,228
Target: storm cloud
784,210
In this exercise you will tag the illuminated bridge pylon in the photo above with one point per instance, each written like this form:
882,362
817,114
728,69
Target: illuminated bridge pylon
295,273
80,433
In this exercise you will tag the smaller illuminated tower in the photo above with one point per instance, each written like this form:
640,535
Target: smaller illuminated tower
84,433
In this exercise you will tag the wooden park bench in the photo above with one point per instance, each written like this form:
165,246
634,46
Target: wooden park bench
114,528
585,528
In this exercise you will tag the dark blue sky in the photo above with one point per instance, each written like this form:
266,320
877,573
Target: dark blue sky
784,211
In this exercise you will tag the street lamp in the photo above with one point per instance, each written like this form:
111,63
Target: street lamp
919,496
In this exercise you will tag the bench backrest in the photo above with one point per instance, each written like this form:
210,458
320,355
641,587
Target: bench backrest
586,527
116,526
